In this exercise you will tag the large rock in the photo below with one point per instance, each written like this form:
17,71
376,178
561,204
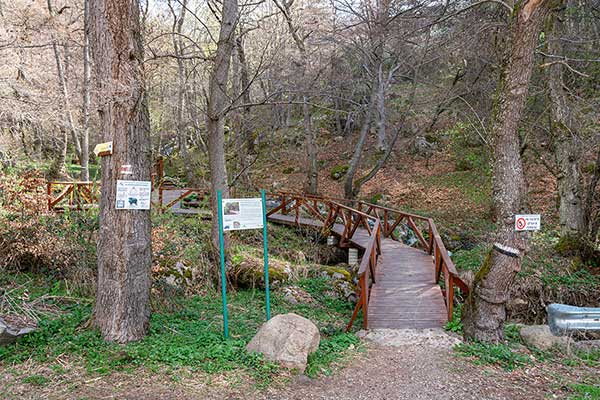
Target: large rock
287,339
9,334
539,336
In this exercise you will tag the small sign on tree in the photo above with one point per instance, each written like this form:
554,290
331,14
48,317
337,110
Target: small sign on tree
528,222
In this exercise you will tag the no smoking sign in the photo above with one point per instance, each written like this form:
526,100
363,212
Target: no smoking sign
528,222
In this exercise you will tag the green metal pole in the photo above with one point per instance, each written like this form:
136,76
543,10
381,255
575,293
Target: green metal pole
223,278
266,253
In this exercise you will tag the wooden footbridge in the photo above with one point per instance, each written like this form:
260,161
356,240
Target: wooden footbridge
399,286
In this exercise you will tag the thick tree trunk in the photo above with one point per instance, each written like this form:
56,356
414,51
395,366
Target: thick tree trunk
124,254
567,145
217,98
484,311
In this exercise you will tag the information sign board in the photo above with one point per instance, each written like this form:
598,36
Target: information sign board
133,195
241,214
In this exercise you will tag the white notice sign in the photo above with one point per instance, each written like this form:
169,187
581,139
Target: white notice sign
528,222
242,214
133,195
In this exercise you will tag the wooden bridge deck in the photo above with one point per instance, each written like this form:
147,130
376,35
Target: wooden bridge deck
404,295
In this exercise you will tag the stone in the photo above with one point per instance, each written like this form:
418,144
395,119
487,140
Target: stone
587,346
430,337
295,295
287,339
539,336
422,147
9,334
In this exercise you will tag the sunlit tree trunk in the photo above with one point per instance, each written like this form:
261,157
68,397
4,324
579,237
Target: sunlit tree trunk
217,102
85,135
122,309
484,311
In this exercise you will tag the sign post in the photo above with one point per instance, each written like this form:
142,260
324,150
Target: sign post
266,254
240,214
223,277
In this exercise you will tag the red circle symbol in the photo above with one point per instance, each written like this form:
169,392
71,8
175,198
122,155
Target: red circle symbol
521,223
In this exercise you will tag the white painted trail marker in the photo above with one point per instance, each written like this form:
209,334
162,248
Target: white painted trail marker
126,169
133,195
528,222
241,214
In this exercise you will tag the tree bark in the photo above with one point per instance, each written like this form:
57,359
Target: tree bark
178,21
312,170
567,144
236,114
381,114
122,309
85,134
349,190
484,312
217,98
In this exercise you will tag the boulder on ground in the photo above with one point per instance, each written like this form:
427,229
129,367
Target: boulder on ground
287,339
9,334
539,336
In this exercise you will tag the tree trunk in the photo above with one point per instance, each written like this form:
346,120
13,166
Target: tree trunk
85,135
246,99
236,114
217,98
484,311
181,89
124,251
312,183
349,192
567,145
381,115
62,82
312,170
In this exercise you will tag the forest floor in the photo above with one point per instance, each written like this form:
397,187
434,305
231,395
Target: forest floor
408,370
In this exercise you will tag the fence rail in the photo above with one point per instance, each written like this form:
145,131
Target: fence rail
388,219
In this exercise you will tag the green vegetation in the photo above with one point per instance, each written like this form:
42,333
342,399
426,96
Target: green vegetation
185,334
492,354
339,171
585,391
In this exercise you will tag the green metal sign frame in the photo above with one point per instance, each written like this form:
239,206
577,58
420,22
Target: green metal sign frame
222,257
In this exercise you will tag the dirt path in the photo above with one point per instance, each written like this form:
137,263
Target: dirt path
413,365
409,366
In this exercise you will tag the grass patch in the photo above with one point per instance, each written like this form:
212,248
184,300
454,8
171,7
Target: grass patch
585,391
36,380
190,336
492,354
471,259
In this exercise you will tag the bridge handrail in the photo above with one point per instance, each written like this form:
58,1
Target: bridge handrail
435,246
366,276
